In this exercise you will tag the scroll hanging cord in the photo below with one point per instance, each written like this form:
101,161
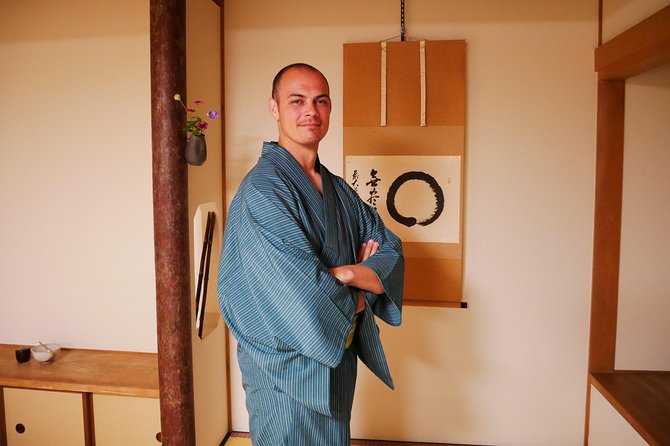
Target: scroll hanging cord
402,20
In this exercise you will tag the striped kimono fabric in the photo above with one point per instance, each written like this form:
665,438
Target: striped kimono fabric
290,316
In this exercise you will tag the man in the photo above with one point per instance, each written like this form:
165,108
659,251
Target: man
305,267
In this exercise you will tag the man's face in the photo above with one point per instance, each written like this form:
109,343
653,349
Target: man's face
302,108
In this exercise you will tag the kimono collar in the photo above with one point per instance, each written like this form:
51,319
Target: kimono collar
281,157
328,208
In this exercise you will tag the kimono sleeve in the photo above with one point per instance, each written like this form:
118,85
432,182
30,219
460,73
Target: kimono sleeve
301,305
388,263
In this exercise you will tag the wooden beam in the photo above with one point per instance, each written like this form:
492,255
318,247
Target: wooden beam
171,231
607,224
640,48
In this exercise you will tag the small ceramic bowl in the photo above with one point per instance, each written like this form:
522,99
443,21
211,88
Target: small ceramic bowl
42,354
23,354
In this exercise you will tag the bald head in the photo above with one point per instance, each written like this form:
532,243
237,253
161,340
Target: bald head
296,66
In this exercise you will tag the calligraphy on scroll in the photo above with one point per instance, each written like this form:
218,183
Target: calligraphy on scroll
418,197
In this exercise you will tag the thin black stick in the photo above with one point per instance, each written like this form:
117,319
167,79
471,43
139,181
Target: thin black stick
208,238
202,266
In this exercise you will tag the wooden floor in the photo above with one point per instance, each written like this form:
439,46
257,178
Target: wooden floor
642,398
242,439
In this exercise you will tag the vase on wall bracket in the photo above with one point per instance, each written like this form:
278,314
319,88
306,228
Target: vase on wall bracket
196,150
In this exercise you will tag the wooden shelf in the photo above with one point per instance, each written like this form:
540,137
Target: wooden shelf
642,398
75,370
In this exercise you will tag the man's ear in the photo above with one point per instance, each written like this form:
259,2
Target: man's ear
274,108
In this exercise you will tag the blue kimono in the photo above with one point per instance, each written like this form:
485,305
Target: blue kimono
290,316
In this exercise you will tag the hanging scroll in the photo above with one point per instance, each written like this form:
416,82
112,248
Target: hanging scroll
404,148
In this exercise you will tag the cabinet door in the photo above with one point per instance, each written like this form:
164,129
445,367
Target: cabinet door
124,420
39,417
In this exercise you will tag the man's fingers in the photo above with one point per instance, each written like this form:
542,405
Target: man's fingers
368,249
361,253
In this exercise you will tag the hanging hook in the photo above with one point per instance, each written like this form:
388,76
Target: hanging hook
402,20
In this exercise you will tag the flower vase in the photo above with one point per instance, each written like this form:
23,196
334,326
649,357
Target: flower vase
196,150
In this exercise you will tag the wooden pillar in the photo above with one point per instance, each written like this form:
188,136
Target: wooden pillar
607,234
170,193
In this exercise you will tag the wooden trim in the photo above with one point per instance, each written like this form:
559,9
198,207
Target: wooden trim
3,425
89,420
639,49
587,414
607,224
229,386
225,439
434,303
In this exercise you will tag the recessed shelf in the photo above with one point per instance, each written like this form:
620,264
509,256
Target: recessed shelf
642,398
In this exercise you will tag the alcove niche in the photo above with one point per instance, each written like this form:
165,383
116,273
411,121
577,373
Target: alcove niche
641,397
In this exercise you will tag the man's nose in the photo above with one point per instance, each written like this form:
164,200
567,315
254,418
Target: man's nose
310,109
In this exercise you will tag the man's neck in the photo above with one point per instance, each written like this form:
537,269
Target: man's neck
305,156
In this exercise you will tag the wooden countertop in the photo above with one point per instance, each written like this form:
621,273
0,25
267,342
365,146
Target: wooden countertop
642,398
75,370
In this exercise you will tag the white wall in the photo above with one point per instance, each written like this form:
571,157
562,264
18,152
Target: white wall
77,259
511,369
643,332
608,427
619,15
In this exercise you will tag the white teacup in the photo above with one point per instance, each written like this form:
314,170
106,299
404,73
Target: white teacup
44,353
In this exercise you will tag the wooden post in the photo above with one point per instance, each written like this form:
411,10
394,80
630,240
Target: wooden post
171,243
607,234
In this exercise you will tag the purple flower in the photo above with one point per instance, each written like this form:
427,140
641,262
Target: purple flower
213,114
202,125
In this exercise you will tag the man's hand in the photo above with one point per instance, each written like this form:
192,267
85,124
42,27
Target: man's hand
367,250
360,276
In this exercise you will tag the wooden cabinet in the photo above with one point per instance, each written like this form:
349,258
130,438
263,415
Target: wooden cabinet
37,417
128,421
84,397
